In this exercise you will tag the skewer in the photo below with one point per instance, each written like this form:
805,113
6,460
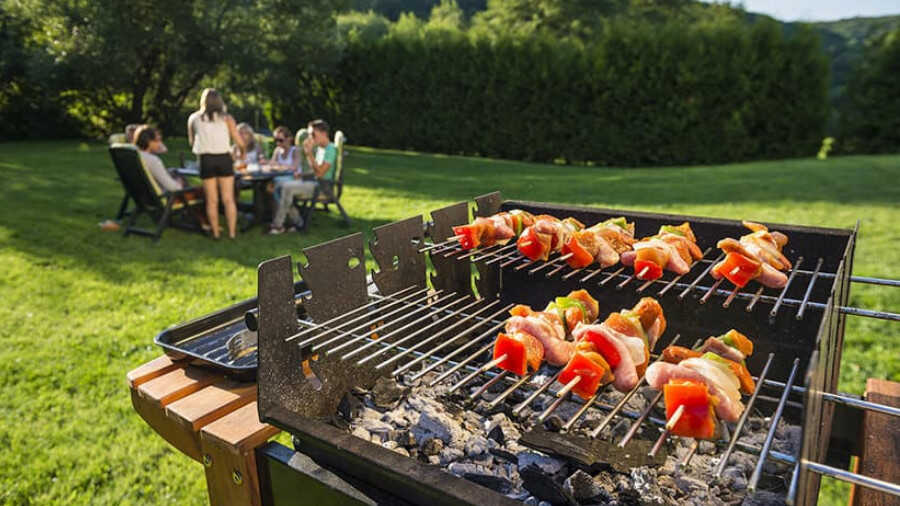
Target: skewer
770,436
774,311
676,416
690,453
393,332
494,253
559,268
609,278
640,420
453,369
755,298
488,384
570,274
443,345
731,296
526,244
633,276
439,244
711,290
568,386
391,346
645,285
691,286
670,424
514,260
554,405
528,400
526,264
476,251
366,324
486,367
678,277
452,250
812,281
337,318
551,262
501,257
512,388
734,271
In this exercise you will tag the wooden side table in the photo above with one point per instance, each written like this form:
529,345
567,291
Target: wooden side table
209,418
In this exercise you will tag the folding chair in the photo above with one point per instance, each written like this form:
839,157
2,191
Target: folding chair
160,205
329,192
119,138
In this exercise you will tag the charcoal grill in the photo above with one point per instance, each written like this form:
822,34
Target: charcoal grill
443,320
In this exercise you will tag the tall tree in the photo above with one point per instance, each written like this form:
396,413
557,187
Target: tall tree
141,60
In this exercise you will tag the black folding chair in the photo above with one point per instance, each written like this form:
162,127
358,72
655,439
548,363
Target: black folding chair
149,199
329,192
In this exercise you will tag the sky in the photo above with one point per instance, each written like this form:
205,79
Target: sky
822,10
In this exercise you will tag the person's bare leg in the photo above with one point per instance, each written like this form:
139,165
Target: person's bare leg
211,194
226,190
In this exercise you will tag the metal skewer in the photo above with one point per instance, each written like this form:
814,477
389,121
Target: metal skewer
444,345
755,299
453,369
486,367
678,277
767,445
495,253
528,400
439,244
488,384
812,281
691,286
609,278
562,258
711,290
784,290
512,388
670,424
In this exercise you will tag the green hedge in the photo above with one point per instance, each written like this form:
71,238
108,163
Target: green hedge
659,95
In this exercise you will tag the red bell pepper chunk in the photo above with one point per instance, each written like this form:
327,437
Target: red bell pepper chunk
653,271
470,236
522,351
603,346
697,420
580,257
593,370
529,245
739,269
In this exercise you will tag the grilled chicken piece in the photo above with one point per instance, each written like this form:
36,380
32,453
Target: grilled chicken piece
728,407
760,258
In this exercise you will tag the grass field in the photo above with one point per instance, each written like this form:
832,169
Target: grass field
80,307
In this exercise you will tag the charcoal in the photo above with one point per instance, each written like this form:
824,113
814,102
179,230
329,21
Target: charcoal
734,477
433,421
706,448
554,423
407,439
434,459
690,485
582,486
350,407
449,455
460,468
432,446
763,498
390,445
491,481
645,483
532,501
477,445
376,427
402,451
496,434
362,433
543,486
387,393
504,455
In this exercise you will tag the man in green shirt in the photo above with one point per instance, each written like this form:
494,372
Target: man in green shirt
323,166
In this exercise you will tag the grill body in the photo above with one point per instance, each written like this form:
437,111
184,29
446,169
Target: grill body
303,402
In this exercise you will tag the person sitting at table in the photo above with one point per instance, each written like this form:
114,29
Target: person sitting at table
321,154
148,140
252,153
285,156
131,138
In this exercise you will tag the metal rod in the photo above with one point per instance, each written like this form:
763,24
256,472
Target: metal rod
441,333
559,268
568,386
784,290
476,372
678,277
514,260
444,345
812,281
694,282
382,339
755,298
640,420
712,289
856,479
659,442
570,274
495,253
439,244
619,405
392,302
528,400
791,498
557,402
871,281
432,311
882,315
488,384
501,257
512,388
609,278
861,404
476,251
767,445
455,368
592,274
388,324
645,285
731,297
526,264
581,411
562,259
740,425
690,453
449,252
628,279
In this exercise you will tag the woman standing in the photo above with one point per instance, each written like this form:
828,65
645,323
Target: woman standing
209,132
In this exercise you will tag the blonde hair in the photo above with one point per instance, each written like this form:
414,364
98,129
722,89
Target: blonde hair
245,127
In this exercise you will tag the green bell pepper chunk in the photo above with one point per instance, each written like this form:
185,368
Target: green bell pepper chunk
671,230
620,222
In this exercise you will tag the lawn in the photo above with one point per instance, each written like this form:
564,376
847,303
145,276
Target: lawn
80,306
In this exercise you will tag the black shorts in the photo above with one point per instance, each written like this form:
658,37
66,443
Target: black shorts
216,166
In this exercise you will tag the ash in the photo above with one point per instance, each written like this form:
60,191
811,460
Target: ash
484,445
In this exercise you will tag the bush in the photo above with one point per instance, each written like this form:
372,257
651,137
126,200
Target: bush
870,115
641,94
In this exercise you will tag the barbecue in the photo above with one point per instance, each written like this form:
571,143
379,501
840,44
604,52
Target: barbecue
399,387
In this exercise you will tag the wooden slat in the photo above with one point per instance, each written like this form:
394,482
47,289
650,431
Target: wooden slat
152,369
230,462
176,384
880,445
210,404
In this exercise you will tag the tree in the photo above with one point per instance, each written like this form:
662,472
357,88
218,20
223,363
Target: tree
142,60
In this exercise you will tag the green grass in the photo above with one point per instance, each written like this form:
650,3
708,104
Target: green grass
80,307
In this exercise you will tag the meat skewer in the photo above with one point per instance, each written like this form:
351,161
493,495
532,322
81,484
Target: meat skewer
703,384
546,235
531,337
492,230
674,249
756,256
602,244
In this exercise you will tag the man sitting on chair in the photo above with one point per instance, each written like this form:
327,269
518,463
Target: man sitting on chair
148,141
322,164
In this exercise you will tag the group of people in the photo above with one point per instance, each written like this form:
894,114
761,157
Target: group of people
221,145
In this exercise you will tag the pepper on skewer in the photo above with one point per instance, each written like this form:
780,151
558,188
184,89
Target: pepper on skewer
756,256
497,229
546,235
602,243
673,248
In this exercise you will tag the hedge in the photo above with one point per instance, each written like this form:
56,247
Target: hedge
642,94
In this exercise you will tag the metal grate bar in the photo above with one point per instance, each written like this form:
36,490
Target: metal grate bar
445,330
784,290
370,323
694,282
458,366
512,388
442,346
431,312
504,249
740,425
678,277
393,302
488,384
534,395
712,288
383,339
767,445
857,479
612,275
561,259
812,281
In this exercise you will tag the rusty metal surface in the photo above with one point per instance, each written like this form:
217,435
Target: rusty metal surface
395,249
449,274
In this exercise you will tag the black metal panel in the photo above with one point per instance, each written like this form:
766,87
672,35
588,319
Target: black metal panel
400,265
336,276
488,281
449,275
377,466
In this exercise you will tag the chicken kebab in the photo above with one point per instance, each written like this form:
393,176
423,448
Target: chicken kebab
497,229
673,248
756,256
546,235
702,385
602,244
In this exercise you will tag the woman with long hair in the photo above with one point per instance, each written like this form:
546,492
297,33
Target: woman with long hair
210,130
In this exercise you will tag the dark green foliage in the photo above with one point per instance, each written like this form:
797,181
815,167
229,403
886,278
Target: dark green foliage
870,115
641,94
